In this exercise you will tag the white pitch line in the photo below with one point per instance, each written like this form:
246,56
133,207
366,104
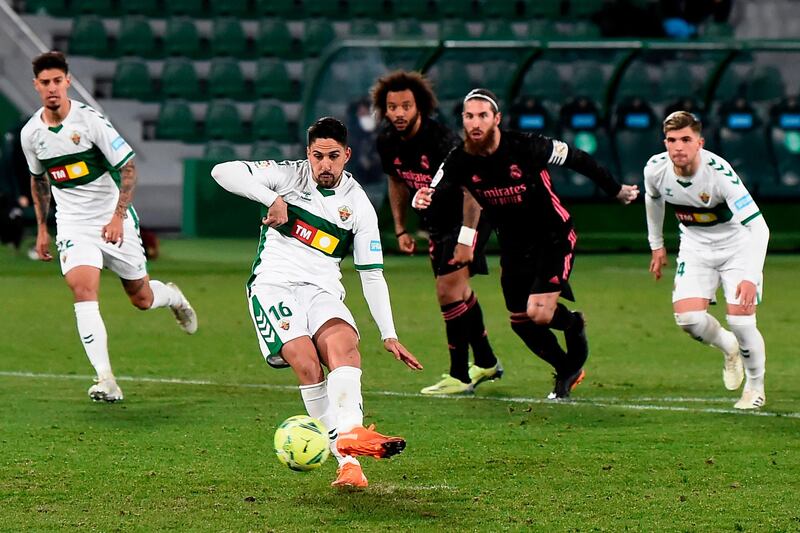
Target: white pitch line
617,403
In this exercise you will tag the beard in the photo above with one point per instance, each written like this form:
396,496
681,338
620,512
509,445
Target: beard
327,180
482,147
410,125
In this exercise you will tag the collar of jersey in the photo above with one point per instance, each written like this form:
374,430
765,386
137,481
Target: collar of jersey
325,192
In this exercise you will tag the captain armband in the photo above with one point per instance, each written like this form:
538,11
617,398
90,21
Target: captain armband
467,236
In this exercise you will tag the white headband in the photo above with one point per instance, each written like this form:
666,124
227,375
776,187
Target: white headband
473,94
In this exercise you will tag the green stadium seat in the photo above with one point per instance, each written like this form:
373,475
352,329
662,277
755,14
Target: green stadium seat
366,8
266,151
583,29
451,79
497,76
541,28
635,81
676,82
322,9
229,8
407,29
103,8
584,8
550,9
220,151
362,27
765,84
136,37
786,147
175,121
319,33
181,38
225,79
223,121
588,80
132,80
88,37
456,8
743,143
269,122
277,8
717,31
272,80
454,30
228,38
509,9
498,30
140,7
56,8
274,39
729,86
637,136
543,82
416,9
189,8
179,79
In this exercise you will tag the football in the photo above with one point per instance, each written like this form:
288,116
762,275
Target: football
301,443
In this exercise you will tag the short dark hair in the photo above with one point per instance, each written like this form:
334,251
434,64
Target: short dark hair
401,80
49,60
682,119
486,95
328,128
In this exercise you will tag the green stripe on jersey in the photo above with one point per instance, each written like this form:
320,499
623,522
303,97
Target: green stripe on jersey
80,168
751,217
262,241
298,215
374,266
702,216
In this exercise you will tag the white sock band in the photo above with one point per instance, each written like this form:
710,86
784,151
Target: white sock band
752,348
163,295
93,336
344,394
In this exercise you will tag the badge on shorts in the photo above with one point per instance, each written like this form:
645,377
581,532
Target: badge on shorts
705,197
284,325
76,138
344,213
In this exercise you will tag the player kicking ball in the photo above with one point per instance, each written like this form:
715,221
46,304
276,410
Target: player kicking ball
723,241
316,212
75,154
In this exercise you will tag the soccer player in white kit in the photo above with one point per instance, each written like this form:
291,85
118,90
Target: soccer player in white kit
317,211
723,241
74,153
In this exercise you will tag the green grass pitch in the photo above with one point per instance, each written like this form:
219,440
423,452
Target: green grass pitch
650,442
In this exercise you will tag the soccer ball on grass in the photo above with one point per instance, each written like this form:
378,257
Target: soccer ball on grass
301,443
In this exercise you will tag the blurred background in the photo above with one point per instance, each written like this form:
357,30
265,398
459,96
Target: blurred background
192,82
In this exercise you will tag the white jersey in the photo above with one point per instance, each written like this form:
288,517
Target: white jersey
81,157
712,206
323,225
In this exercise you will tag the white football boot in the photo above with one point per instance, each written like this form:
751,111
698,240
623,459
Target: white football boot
105,390
733,370
184,313
751,399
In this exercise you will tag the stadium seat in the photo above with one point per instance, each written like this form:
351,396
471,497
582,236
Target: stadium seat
637,136
367,8
497,76
132,80
454,30
729,86
225,79
277,8
56,8
584,8
492,8
743,144
416,9
540,28
588,80
449,9
274,39
140,7
583,29
190,8
103,8
635,82
269,122
265,151
181,38
498,30
765,84
362,27
550,9
784,132
136,37
179,79
319,34
676,81
228,38
451,79
175,121
716,31
323,9
88,37
220,151
229,8
542,81
407,29
529,115
223,121
272,80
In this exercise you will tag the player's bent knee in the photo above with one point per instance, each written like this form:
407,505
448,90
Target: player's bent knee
540,316
692,322
142,302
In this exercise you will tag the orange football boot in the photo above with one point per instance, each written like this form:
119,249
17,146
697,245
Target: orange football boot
367,441
350,476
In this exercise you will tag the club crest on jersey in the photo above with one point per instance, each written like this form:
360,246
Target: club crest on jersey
515,172
284,325
344,213
76,138
705,197
476,178
424,163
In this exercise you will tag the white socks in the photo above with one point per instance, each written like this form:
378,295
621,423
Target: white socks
344,394
163,295
315,398
93,335
706,329
751,346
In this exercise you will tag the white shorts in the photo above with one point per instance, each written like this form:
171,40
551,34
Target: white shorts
84,246
699,274
283,313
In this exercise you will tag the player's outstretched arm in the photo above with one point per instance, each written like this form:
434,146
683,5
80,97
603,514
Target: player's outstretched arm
402,354
40,190
239,178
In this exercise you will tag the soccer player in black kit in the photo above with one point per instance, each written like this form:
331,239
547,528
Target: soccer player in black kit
412,146
506,172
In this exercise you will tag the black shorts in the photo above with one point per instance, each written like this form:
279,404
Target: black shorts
546,269
442,246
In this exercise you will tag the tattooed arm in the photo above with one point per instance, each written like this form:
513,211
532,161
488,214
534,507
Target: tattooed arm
113,232
40,190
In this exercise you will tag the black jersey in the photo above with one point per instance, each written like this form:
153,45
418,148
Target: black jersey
515,190
415,161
